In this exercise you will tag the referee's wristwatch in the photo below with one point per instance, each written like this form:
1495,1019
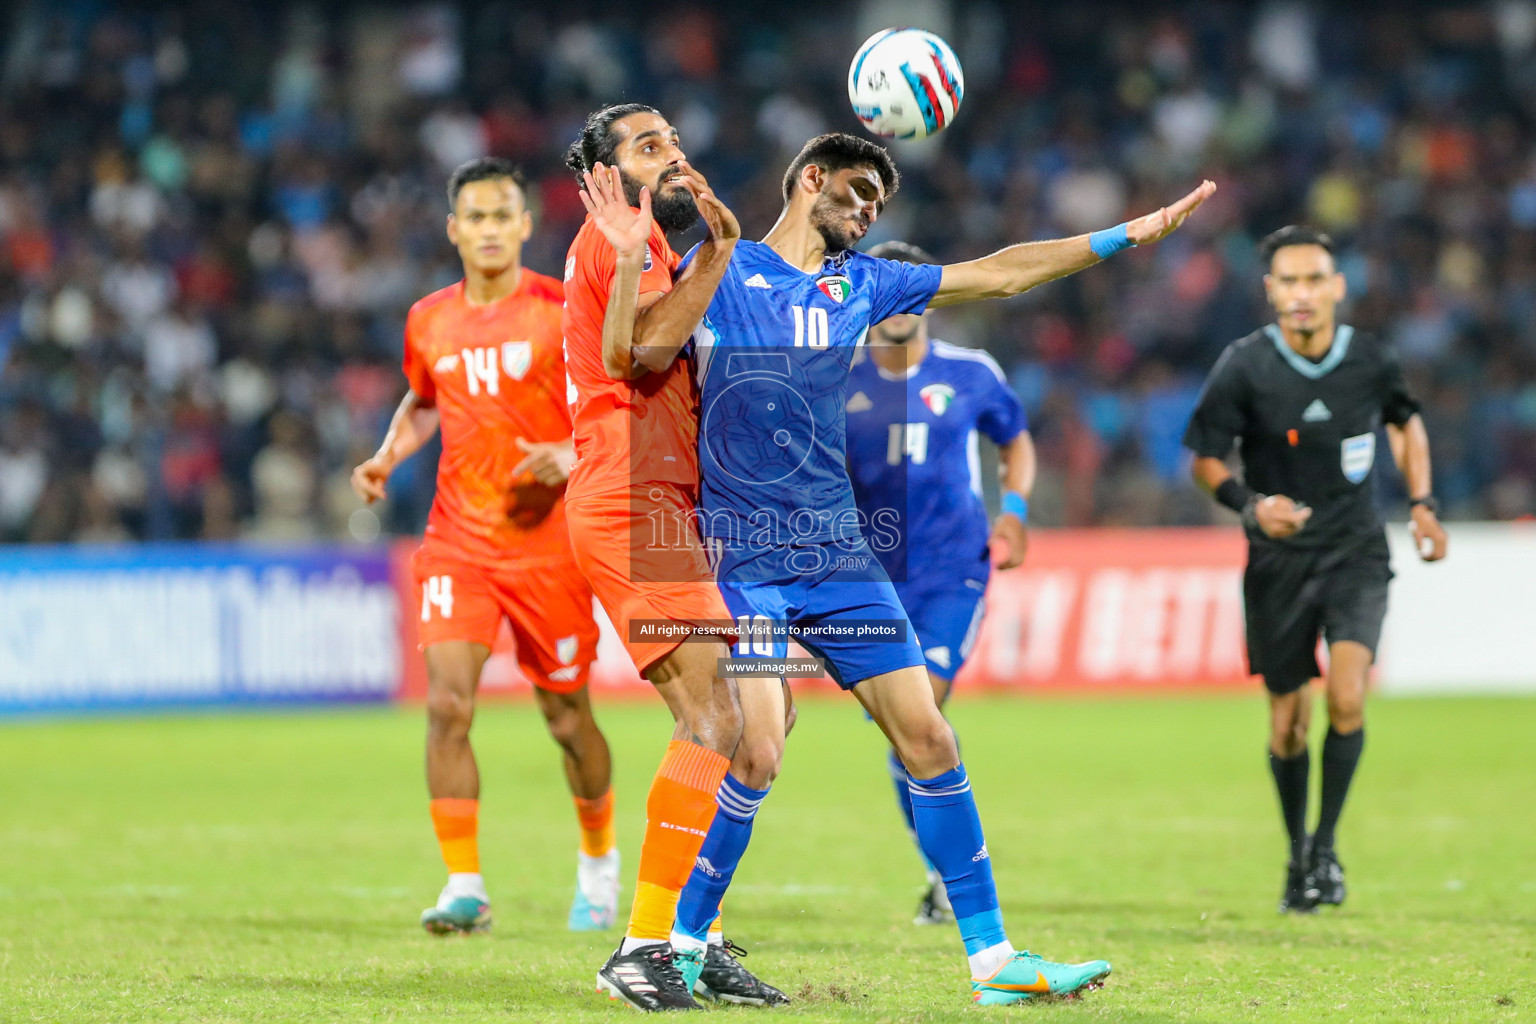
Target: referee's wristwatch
1250,510
1428,501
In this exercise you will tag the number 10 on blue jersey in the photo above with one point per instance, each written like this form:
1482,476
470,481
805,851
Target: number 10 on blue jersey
815,319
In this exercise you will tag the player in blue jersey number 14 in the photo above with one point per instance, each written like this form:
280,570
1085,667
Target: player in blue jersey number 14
773,355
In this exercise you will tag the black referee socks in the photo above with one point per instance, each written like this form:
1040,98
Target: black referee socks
1341,753
1291,783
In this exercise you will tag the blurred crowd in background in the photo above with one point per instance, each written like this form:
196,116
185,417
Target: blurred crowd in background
214,217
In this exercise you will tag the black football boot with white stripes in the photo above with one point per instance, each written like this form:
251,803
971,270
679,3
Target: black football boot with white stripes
646,979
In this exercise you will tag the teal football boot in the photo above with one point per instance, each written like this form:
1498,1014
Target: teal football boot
595,877
587,916
1026,975
690,964
457,915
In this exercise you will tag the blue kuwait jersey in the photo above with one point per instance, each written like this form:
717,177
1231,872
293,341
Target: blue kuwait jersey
772,355
913,449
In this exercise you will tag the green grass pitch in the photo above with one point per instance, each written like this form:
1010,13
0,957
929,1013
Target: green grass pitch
270,867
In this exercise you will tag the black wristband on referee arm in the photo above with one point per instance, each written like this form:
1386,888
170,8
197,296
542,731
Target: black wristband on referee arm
1234,494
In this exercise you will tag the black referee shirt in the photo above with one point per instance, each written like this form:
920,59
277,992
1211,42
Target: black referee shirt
1305,429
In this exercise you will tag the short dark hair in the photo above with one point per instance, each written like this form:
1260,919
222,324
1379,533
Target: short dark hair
836,151
486,168
901,252
597,141
1292,234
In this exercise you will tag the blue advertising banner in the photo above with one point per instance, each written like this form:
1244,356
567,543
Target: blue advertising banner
195,624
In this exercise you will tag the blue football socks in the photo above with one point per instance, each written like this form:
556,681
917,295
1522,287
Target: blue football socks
723,846
903,787
949,831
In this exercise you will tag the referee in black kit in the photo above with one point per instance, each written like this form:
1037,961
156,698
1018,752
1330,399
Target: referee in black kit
1303,399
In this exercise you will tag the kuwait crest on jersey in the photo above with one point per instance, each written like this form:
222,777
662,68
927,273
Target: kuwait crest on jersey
937,397
835,287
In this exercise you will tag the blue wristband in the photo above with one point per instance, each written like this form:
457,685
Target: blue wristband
1109,241
1015,504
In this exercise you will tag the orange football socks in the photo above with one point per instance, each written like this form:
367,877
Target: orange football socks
678,811
596,817
455,820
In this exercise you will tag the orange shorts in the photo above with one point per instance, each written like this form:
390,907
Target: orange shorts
548,606
639,548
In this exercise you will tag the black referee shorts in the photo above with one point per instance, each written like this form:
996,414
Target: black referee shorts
1292,596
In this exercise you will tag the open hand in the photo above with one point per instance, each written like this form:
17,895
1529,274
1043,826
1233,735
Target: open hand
1155,227
718,219
627,231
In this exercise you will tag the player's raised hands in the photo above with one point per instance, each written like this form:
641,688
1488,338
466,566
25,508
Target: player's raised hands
1154,227
1279,516
718,219
603,195
549,461
369,478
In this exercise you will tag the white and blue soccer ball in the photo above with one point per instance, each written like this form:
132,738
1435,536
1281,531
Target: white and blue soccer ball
905,83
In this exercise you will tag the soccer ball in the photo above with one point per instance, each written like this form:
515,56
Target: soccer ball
905,83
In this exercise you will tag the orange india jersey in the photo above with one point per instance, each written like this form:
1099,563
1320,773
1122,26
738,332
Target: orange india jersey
627,431
496,374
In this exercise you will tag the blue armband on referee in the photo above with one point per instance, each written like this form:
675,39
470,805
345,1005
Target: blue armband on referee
1015,504
1110,241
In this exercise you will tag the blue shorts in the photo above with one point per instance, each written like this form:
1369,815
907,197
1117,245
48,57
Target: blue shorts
832,599
946,618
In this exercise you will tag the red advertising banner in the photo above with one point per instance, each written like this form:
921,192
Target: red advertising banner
1116,609
1089,610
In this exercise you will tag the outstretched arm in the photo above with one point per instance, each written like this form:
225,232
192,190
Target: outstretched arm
1019,268
413,424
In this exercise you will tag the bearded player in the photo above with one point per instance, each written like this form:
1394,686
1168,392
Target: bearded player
483,360
773,356
636,429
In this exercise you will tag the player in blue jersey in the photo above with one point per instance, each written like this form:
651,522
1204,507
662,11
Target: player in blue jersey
773,354
915,409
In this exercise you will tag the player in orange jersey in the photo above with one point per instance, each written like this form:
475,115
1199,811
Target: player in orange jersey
636,430
483,359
